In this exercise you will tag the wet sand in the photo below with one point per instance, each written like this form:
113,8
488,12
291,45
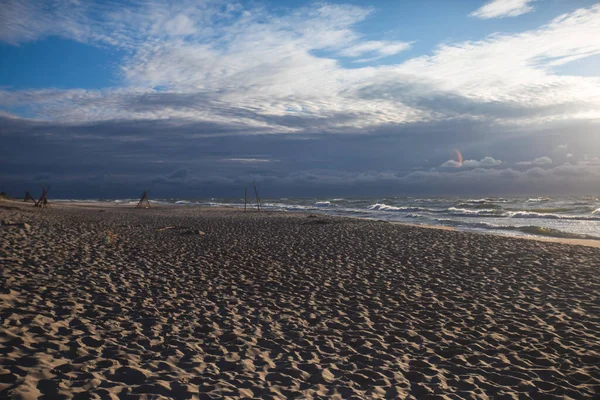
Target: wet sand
104,302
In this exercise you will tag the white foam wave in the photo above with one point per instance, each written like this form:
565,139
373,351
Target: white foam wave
530,214
478,201
385,207
484,212
538,199
414,215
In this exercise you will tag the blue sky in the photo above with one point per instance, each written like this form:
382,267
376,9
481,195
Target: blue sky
198,98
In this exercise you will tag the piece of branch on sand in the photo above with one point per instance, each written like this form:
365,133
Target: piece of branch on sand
166,228
185,230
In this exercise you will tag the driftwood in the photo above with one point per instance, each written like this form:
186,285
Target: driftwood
28,197
144,203
183,230
257,198
43,201
166,228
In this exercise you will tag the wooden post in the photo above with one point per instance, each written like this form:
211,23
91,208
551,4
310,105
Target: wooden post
144,203
43,201
257,198
245,198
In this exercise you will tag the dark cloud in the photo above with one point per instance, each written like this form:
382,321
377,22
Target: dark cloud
177,158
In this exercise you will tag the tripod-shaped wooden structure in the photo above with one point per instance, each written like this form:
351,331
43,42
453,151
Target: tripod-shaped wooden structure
28,197
258,204
43,201
144,203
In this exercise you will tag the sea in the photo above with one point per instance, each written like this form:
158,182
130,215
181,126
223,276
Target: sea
562,217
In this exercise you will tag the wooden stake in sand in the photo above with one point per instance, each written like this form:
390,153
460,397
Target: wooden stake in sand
257,198
28,197
245,198
144,203
43,201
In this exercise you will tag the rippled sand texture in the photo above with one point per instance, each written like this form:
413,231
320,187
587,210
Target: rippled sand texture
101,304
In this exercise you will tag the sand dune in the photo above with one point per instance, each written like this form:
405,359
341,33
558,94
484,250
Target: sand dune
225,303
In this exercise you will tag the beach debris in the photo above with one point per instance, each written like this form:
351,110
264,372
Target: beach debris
110,238
317,222
144,203
257,198
193,232
28,197
185,230
43,201
166,228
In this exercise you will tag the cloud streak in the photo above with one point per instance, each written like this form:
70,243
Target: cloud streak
538,161
503,8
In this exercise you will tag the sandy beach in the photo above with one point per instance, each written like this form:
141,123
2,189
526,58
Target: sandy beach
102,301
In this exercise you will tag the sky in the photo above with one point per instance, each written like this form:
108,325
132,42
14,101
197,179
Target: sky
199,99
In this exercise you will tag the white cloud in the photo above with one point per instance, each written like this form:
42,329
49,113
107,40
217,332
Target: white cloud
485,162
503,8
249,160
537,161
451,164
258,70
374,49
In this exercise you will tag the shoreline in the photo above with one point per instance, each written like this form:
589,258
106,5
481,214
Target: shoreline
99,205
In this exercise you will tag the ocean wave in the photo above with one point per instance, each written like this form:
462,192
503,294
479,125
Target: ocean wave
550,232
185,202
81,200
290,207
468,224
529,214
538,199
415,215
527,229
322,204
549,210
385,207
596,211
122,201
483,205
485,212
478,201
